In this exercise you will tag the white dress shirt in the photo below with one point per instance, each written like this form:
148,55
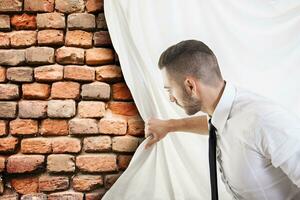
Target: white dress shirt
258,146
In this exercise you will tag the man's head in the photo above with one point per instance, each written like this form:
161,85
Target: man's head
189,67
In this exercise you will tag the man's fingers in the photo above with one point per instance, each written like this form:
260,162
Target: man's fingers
148,129
147,132
151,142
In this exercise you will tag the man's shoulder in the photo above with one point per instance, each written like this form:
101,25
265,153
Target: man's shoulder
252,106
249,101
264,110
251,95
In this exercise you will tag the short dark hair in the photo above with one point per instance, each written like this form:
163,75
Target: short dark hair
192,57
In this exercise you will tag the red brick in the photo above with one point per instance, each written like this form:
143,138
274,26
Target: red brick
66,145
61,108
102,38
61,163
40,55
117,126
4,22
2,163
79,38
3,127
90,109
8,144
25,185
34,196
39,5
110,179
12,57
65,90
95,195
50,37
110,73
8,109
97,162
53,183
21,39
32,109
20,74
94,5
69,6
136,126
49,73
23,21
10,196
99,56
2,74
120,91
97,144
70,55
95,90
24,163
54,127
4,40
83,21
79,73
125,143
101,22
123,161
123,108
53,20
79,126
85,183
35,91
23,127
65,196
36,145
11,5
9,91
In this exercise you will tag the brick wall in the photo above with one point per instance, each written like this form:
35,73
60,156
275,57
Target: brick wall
68,124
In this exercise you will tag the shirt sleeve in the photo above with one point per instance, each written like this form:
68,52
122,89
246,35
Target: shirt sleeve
278,137
292,168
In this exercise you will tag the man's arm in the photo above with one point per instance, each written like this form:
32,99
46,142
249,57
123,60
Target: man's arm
196,124
277,138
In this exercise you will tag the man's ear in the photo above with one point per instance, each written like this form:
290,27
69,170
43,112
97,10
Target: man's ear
190,85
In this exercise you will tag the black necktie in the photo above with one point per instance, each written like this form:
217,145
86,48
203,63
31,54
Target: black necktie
212,161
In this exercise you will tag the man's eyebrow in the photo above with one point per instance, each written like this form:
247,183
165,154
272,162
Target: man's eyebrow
166,87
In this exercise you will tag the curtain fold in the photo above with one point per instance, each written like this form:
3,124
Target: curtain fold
257,44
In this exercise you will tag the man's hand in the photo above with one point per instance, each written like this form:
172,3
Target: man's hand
156,129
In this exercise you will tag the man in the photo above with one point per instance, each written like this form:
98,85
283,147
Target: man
258,141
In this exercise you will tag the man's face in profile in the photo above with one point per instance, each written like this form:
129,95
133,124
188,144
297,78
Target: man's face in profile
177,93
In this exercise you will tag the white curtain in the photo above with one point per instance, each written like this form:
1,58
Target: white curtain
257,43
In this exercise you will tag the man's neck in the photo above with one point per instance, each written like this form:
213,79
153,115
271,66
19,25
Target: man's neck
214,98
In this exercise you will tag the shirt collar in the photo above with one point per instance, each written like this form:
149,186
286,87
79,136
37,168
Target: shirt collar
223,108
